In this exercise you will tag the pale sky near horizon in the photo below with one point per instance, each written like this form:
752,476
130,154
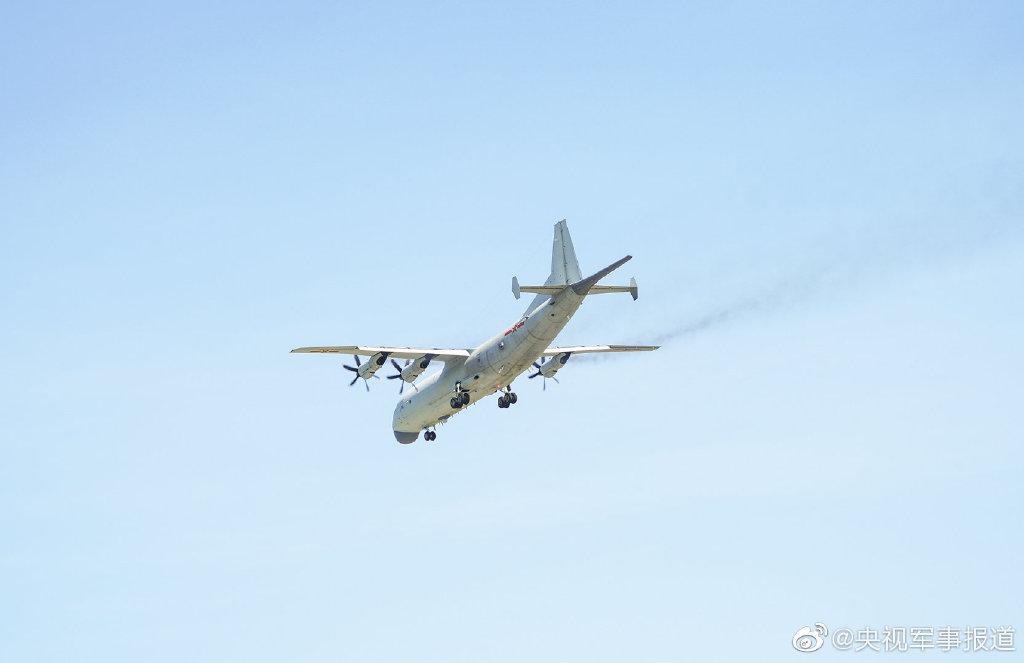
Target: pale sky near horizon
824,203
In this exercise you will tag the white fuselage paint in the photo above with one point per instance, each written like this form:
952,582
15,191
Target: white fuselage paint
490,367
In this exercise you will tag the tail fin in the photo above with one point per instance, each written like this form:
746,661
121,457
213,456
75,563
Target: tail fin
564,268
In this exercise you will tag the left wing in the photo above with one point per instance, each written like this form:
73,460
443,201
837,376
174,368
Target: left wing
581,349
401,353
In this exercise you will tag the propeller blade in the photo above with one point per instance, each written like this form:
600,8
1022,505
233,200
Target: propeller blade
545,388
353,381
356,357
536,365
555,379
530,377
401,387
354,370
367,383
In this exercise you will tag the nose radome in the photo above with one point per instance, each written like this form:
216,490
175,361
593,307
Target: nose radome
406,438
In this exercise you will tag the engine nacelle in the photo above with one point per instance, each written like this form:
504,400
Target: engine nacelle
416,368
372,365
553,365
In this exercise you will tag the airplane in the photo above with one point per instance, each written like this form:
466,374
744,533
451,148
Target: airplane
471,374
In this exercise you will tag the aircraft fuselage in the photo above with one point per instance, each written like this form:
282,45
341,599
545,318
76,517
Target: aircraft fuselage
489,368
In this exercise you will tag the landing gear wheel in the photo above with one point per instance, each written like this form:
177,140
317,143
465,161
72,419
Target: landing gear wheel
502,403
512,398
464,398
430,436
455,403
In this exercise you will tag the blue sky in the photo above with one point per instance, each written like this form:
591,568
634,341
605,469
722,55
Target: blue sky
824,202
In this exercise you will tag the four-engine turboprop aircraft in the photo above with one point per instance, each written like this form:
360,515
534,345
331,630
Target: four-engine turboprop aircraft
471,374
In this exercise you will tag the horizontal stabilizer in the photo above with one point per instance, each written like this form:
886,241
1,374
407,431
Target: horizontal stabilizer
603,289
552,290
584,286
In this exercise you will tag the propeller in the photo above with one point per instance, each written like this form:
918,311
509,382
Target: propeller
355,370
399,374
538,367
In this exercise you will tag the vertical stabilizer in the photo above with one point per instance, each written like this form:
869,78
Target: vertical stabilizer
564,268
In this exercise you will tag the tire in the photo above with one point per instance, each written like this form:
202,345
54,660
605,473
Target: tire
502,403
513,398
455,404
465,398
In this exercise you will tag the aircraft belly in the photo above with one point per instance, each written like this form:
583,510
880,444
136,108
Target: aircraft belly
496,367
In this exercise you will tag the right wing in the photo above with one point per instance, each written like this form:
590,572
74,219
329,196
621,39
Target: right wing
583,349
443,354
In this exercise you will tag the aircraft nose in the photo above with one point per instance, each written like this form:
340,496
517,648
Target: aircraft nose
406,438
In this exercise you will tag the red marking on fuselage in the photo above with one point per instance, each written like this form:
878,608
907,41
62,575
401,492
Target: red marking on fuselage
515,326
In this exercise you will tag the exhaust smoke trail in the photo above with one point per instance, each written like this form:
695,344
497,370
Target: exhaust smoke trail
784,294
979,213
780,296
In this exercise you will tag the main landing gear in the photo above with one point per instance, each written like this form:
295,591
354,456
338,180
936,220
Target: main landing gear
430,436
508,399
461,397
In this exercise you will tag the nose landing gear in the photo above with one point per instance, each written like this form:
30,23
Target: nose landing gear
430,436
